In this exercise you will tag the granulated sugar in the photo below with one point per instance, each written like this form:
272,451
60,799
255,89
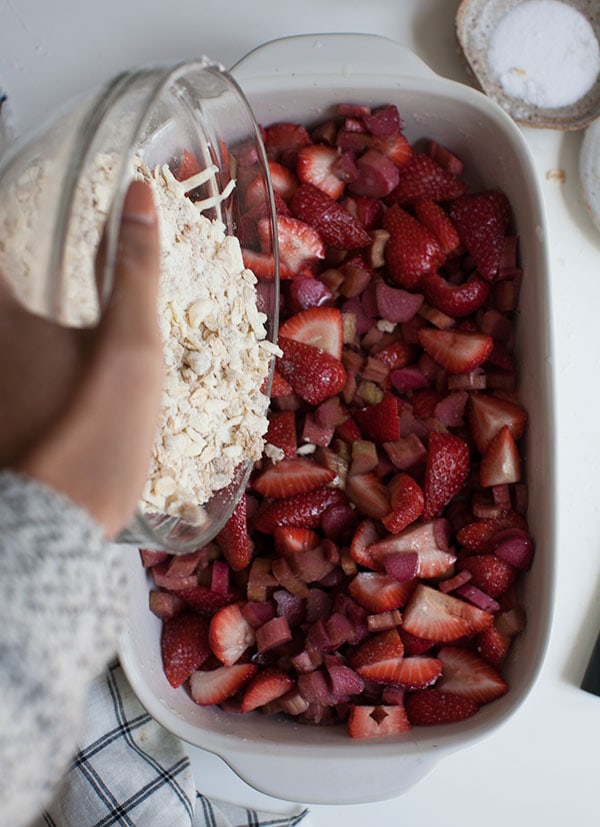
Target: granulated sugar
545,53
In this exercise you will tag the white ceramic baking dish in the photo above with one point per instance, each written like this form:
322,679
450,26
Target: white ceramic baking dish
299,78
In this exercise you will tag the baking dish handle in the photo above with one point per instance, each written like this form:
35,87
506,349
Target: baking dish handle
338,54
297,779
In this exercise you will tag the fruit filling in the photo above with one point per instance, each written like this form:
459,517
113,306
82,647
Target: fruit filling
369,575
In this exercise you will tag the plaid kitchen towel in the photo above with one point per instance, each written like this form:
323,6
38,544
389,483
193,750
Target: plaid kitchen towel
130,771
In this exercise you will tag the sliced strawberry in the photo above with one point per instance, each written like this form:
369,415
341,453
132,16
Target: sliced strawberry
415,672
301,510
320,327
263,265
435,218
184,646
265,687
369,495
283,141
380,422
407,501
335,225
489,573
396,147
376,592
433,615
432,559
378,648
315,165
412,251
493,645
234,540
365,535
476,536
456,351
482,222
501,462
313,374
280,387
456,300
282,432
299,244
488,413
284,184
186,166
428,707
291,540
422,177
292,476
216,685
396,355
446,470
469,675
230,634
376,721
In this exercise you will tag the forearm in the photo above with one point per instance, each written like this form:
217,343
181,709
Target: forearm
62,588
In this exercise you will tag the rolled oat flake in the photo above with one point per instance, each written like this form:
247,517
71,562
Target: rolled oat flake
545,53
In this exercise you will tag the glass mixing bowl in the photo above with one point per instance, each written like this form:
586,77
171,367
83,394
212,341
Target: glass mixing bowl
158,114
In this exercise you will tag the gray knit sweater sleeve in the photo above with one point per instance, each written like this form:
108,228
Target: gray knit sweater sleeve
62,587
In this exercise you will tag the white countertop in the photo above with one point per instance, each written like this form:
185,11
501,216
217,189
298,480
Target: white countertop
542,766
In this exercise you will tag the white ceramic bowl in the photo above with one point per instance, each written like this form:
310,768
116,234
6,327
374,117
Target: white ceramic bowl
299,78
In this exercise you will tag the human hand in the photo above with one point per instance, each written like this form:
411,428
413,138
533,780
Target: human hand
79,408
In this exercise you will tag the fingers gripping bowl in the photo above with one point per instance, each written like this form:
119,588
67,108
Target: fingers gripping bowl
320,764
187,130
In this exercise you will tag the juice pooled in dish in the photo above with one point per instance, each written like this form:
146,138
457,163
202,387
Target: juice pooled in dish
369,575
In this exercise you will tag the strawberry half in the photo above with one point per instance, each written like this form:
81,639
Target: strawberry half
234,540
313,374
407,503
292,476
411,251
456,351
435,218
422,177
482,222
467,674
376,592
433,615
501,461
446,470
230,634
283,141
265,687
184,646
429,707
488,413
456,300
282,432
376,721
335,225
300,245
320,327
415,672
380,422
300,511
489,573
315,165
216,685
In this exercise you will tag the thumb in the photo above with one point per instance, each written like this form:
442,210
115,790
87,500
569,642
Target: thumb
132,306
